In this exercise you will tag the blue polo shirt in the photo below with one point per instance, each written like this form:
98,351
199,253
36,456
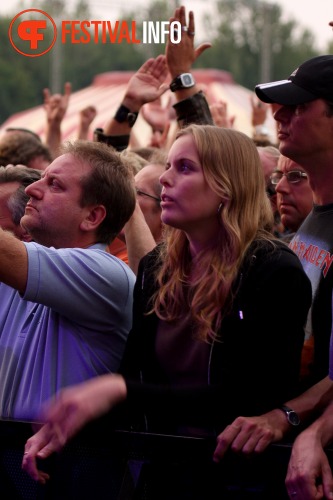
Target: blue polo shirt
70,325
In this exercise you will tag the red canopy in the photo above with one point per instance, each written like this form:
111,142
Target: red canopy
107,90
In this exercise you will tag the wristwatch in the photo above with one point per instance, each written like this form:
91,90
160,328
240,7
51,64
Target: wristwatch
123,114
183,81
291,415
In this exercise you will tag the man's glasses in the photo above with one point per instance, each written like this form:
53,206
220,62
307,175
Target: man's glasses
292,176
142,193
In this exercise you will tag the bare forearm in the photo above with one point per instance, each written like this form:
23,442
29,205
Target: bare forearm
139,239
314,400
249,434
83,132
13,261
323,426
114,127
53,138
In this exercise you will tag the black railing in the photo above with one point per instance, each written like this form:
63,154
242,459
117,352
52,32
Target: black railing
116,465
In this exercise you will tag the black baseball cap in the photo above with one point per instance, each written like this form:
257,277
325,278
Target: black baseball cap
311,80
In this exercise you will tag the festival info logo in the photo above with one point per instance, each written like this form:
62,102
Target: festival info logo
32,32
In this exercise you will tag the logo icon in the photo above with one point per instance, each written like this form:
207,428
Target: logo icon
32,37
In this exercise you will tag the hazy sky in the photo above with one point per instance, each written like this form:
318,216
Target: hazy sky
311,14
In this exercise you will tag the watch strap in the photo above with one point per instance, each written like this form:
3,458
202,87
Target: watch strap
124,114
286,409
174,85
118,142
291,415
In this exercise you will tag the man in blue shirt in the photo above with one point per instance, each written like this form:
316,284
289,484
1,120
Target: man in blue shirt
66,304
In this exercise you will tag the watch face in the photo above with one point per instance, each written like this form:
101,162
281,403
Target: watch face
293,418
187,80
183,81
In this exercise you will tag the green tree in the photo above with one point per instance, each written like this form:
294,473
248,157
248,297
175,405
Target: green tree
246,32
237,29
156,11
79,63
23,78
329,48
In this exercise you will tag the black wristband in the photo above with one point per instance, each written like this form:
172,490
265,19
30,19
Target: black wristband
193,109
123,114
118,142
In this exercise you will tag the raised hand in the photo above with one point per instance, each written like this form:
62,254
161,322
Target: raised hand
147,84
219,111
182,55
87,115
259,111
56,105
156,115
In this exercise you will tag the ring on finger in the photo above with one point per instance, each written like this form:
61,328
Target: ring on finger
191,33
293,493
184,28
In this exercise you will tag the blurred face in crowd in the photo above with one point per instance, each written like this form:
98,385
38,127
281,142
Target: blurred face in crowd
148,195
269,162
7,189
294,195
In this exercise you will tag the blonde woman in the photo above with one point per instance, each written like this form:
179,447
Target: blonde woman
219,306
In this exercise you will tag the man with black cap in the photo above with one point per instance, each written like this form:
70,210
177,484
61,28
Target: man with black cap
304,112
305,132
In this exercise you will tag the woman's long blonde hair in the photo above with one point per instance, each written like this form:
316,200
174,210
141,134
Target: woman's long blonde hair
232,168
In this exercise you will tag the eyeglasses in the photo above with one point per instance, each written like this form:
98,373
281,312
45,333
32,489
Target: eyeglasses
293,176
142,193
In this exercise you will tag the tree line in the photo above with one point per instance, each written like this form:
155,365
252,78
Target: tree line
246,35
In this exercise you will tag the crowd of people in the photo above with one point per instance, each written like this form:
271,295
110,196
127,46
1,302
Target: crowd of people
143,280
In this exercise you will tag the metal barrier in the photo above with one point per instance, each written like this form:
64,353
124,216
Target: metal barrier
117,465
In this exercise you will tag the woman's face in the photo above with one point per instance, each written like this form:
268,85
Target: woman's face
188,203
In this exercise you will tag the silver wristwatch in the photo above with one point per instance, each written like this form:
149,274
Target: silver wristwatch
291,415
183,81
